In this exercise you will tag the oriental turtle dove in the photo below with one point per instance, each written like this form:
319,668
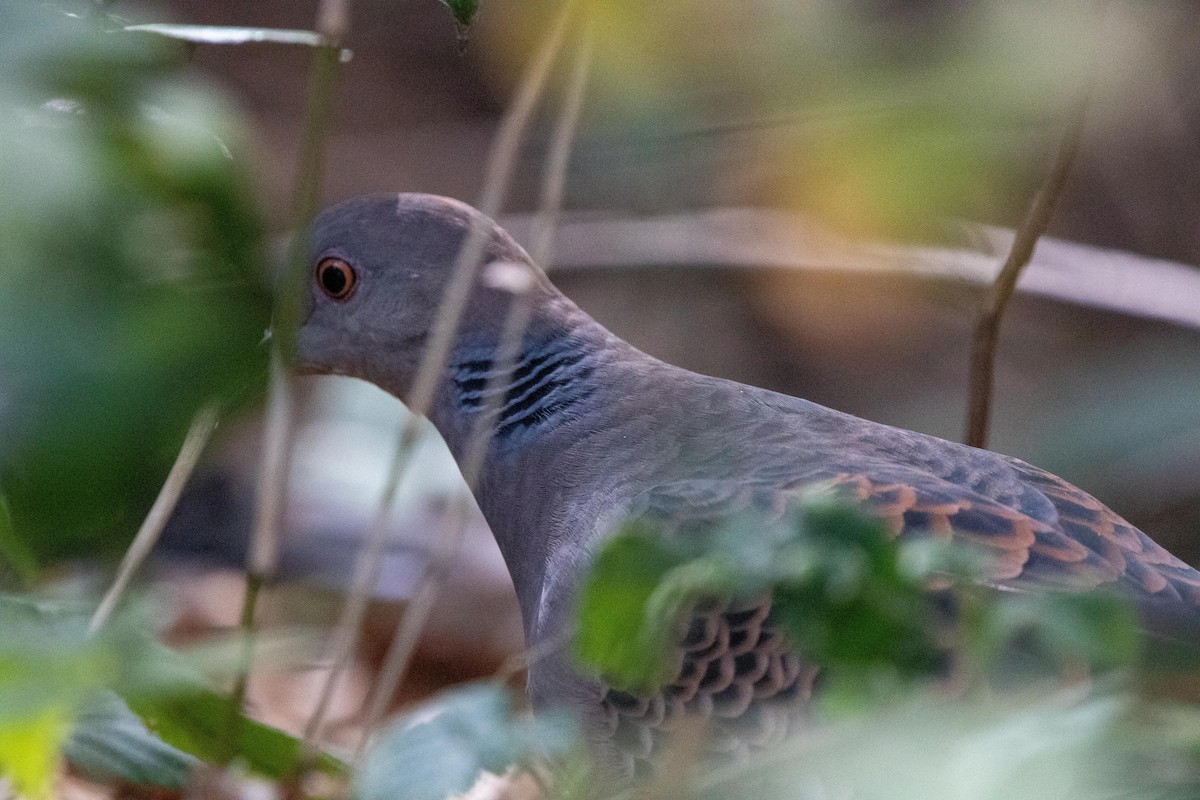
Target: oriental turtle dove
591,430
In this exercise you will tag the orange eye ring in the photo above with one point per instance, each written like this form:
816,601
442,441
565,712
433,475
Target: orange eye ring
336,278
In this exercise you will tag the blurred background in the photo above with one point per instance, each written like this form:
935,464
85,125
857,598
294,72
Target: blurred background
844,147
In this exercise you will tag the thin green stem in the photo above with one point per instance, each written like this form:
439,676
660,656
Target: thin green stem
332,25
987,327
309,173
516,279
498,175
147,536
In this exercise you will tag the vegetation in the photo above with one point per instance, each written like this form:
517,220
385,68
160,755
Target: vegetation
134,292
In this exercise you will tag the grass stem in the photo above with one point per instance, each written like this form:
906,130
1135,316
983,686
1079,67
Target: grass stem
987,327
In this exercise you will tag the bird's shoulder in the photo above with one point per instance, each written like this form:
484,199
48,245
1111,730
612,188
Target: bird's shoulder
1036,527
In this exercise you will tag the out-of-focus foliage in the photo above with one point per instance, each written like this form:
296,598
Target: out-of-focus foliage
841,590
880,118
441,748
860,604
51,673
110,743
132,280
1083,743
198,721
464,11
1023,710
63,693
1038,696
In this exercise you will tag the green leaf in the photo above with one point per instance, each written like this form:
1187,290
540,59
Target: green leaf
1035,746
49,665
615,636
198,722
29,749
441,749
51,670
227,34
847,599
126,196
842,590
463,10
16,554
1050,632
109,742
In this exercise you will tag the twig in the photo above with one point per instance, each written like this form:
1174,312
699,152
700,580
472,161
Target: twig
517,280
332,24
411,626
193,445
524,659
416,613
496,180
987,328
310,169
736,239
263,557
558,159
364,580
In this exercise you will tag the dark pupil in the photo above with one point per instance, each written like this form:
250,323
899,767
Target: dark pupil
334,280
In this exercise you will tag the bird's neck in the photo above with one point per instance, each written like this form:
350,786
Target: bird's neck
544,423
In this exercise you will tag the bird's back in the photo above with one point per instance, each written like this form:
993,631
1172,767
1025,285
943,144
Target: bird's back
721,449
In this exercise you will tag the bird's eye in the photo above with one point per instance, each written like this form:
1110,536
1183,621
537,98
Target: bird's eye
336,277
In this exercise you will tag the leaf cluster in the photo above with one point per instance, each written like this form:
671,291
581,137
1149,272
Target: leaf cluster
133,285
841,590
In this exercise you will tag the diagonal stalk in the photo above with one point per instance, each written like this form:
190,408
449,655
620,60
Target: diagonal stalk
501,162
987,327
197,437
416,614
333,17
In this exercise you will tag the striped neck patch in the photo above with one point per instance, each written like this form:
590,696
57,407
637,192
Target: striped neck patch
548,380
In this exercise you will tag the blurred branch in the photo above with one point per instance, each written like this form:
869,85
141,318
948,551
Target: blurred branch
558,158
516,279
263,557
230,35
332,25
987,328
197,437
769,239
501,161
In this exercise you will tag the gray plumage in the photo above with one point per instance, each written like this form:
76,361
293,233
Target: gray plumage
592,430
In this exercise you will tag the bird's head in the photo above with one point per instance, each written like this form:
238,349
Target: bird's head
379,267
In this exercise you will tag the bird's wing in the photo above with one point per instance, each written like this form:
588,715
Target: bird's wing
1049,533
732,665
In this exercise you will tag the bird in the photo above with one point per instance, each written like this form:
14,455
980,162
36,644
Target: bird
591,431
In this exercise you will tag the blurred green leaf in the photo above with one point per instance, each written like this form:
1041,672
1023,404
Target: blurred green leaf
463,10
51,671
441,748
842,590
198,721
16,554
110,743
227,34
841,595
1056,632
616,636
29,749
48,659
132,284
1035,746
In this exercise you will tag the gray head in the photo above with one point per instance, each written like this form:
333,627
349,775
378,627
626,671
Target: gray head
379,267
